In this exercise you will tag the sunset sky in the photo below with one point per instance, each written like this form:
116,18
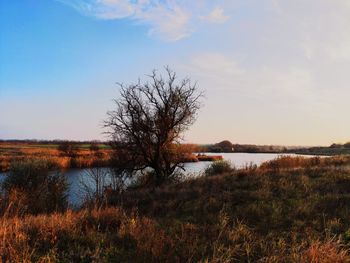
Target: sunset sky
273,71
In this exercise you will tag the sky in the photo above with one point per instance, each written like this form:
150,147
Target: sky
272,71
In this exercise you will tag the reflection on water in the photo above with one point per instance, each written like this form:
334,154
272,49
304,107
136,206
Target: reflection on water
76,176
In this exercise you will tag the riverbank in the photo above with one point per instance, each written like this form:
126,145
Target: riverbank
286,210
88,155
82,155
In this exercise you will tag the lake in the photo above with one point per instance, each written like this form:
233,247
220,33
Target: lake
75,177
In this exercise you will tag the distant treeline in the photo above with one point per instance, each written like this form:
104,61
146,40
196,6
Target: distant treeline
221,147
227,146
334,149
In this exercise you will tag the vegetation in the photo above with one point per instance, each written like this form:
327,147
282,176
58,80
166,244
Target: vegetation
286,210
62,155
95,154
148,123
224,146
68,148
29,187
334,149
218,167
227,146
83,154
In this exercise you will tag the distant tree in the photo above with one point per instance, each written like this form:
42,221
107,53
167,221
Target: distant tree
94,147
336,145
225,146
68,148
347,145
148,123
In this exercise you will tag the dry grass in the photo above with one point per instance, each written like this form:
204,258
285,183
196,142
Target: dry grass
84,158
111,235
289,162
326,252
288,211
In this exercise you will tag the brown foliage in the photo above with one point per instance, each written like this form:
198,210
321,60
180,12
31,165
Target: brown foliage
325,252
299,214
82,158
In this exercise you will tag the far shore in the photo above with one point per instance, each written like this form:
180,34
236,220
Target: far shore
86,156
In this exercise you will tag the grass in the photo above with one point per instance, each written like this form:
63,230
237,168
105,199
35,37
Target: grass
83,158
287,210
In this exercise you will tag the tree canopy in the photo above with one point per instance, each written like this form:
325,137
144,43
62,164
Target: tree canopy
148,123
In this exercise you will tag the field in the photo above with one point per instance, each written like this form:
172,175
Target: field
81,157
286,210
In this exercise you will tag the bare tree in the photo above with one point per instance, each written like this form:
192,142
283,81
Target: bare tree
148,123
92,185
98,183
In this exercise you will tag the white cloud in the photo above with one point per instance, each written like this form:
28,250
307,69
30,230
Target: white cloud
169,19
216,16
288,59
102,9
218,72
321,27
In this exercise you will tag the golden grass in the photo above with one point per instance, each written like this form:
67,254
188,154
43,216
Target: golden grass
84,158
290,162
109,234
326,252
42,238
288,210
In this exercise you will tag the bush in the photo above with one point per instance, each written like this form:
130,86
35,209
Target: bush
94,147
30,187
218,167
68,148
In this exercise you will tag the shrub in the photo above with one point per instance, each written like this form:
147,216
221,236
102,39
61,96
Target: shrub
68,148
94,147
218,167
30,187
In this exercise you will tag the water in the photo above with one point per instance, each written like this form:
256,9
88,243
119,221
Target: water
76,177
237,160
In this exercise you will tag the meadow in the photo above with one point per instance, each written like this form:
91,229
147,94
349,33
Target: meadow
286,210
74,154
81,157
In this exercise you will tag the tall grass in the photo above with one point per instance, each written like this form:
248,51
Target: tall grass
30,187
287,210
82,157
218,167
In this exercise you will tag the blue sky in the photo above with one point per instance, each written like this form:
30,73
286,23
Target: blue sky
273,71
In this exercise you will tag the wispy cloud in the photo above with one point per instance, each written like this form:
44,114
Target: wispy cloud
216,16
171,20
322,28
222,73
